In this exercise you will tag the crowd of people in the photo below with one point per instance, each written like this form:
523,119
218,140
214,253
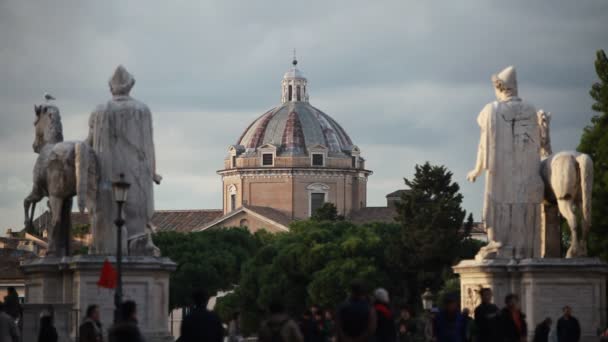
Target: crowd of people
362,317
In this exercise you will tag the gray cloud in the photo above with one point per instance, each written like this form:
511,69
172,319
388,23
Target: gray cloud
405,79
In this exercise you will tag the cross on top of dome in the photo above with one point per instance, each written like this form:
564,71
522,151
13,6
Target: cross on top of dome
293,86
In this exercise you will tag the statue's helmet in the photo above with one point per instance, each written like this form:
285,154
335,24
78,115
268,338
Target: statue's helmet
121,82
506,80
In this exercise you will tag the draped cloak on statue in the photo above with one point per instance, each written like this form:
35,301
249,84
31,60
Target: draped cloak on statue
509,150
120,133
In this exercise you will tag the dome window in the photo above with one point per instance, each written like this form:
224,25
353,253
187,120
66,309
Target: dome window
317,199
317,196
289,92
318,159
298,94
267,159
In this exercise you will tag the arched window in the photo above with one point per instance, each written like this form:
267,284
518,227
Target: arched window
244,223
298,93
289,93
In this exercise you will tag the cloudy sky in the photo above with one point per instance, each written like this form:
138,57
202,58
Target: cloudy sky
406,79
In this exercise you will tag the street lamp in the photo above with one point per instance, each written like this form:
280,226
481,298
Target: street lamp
427,299
119,190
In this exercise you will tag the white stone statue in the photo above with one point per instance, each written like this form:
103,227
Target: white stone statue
63,169
568,177
120,132
509,152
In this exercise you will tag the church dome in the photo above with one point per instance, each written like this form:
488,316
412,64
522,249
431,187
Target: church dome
293,127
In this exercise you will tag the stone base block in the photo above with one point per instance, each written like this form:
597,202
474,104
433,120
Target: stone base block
73,280
545,286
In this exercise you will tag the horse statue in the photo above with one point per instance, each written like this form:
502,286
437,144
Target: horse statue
62,170
568,178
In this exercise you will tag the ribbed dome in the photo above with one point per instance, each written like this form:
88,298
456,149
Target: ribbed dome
293,127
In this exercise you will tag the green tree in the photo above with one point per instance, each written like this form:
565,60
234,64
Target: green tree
431,218
328,212
594,142
209,260
313,263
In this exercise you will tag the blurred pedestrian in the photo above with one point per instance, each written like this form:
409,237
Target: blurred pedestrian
12,305
321,334
512,322
234,328
307,326
278,327
568,328
201,325
356,319
470,329
486,315
8,327
450,324
385,326
541,333
91,329
407,327
47,332
330,325
126,329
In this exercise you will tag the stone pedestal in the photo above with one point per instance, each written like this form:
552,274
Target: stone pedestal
73,280
545,286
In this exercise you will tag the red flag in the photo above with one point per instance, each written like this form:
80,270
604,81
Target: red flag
107,278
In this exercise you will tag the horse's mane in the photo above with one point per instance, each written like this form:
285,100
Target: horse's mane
53,132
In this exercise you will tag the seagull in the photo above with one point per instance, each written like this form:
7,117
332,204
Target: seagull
48,97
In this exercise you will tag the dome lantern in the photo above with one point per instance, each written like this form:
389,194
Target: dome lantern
293,86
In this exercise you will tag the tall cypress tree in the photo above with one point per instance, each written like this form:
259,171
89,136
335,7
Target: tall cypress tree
431,216
594,142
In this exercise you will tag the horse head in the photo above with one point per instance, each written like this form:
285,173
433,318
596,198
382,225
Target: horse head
544,123
48,128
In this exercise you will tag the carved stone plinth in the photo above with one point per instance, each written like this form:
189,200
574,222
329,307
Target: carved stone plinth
544,286
73,281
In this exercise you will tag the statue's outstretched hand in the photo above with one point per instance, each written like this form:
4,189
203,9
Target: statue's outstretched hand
157,178
472,176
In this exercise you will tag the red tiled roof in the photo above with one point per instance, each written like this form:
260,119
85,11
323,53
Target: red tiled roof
162,220
373,214
271,213
9,262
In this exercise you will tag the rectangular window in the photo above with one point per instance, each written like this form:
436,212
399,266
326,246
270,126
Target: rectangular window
354,162
317,159
316,201
267,159
232,202
233,161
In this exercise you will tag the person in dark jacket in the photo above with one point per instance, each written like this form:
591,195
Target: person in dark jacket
450,325
47,332
126,330
356,319
512,322
485,317
201,325
11,303
541,333
407,328
90,329
279,327
385,327
568,328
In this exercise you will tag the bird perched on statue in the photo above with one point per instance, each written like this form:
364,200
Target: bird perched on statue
48,97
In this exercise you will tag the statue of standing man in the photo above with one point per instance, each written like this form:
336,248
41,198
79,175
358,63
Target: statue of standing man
120,133
509,150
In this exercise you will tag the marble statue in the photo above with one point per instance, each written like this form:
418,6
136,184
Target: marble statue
120,133
568,178
509,152
62,170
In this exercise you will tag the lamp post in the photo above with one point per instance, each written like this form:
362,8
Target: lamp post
119,190
427,299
